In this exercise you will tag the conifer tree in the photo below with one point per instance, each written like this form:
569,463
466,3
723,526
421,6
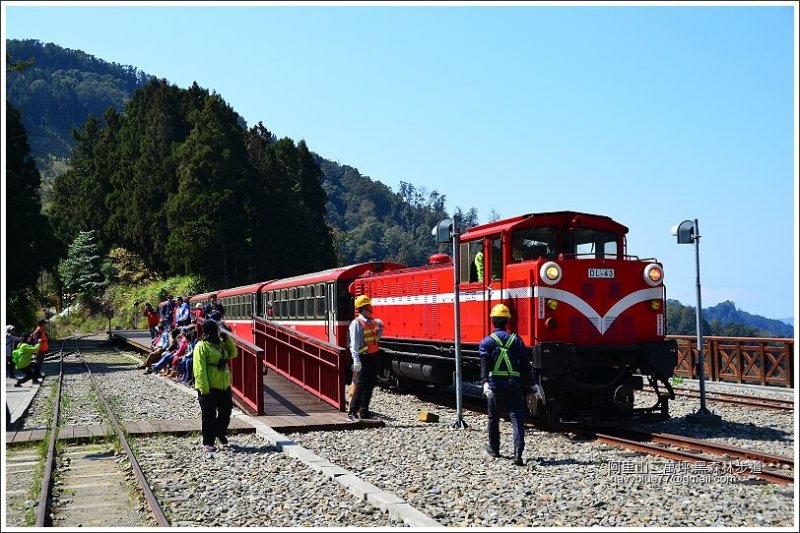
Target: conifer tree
30,246
81,270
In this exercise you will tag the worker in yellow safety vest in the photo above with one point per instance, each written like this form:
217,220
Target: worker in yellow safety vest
365,332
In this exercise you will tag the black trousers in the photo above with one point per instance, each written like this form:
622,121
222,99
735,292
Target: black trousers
364,382
215,410
40,362
512,399
31,372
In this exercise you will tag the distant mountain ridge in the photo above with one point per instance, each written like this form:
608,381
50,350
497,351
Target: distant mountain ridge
726,315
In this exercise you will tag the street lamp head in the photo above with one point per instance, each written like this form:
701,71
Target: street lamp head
444,230
685,232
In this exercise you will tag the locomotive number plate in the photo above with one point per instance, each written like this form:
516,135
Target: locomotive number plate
606,273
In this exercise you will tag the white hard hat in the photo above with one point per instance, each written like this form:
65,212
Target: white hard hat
9,328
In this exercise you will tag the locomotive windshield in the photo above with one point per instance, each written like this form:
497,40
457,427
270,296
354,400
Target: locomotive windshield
534,243
594,243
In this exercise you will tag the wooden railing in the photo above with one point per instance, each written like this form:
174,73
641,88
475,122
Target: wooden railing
748,360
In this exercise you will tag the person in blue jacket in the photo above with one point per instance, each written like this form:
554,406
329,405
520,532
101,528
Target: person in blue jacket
506,376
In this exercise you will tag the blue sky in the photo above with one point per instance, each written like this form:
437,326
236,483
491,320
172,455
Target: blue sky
649,114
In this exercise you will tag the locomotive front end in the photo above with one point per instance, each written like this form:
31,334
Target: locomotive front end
599,329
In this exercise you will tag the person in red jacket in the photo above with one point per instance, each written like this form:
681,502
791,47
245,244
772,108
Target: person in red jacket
153,319
40,338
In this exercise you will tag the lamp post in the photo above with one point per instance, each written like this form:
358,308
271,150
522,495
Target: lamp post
445,231
688,232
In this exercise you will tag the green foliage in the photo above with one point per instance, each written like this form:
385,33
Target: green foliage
30,246
59,88
81,270
124,266
127,300
370,222
21,306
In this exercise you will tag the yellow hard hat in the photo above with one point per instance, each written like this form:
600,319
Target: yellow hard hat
363,300
500,311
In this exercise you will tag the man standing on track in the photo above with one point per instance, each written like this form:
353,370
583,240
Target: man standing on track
365,332
506,376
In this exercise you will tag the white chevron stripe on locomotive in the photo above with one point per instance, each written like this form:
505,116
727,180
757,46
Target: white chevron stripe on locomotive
602,323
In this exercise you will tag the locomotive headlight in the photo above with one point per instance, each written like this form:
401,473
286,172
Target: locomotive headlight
655,305
550,273
552,304
653,275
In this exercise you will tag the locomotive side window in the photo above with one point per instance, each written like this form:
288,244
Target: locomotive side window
592,243
534,243
497,259
471,264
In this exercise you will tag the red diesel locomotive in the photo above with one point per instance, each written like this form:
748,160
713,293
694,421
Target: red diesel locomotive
591,315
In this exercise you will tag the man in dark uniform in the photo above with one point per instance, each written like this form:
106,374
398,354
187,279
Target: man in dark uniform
506,376
213,306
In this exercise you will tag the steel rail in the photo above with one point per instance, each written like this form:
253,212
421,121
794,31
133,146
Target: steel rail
739,399
150,496
705,446
773,476
745,403
47,475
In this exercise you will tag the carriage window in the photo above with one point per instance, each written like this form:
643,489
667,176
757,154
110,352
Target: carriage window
310,301
284,303
497,259
534,243
292,303
320,300
595,244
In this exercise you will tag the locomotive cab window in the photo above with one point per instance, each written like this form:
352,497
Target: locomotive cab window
595,244
472,264
534,243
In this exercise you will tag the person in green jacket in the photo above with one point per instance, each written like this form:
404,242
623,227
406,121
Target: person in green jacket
23,357
212,379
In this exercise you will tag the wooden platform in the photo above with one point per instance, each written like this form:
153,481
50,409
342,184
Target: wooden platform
287,406
141,428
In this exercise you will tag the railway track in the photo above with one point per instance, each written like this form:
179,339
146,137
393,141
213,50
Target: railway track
676,448
88,484
681,448
738,399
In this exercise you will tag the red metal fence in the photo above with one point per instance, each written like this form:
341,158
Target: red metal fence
313,364
247,374
749,360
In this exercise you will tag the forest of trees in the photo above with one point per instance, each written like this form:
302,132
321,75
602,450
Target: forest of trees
57,90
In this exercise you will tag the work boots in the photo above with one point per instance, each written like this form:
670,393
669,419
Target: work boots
518,458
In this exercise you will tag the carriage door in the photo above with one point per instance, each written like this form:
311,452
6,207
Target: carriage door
330,313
